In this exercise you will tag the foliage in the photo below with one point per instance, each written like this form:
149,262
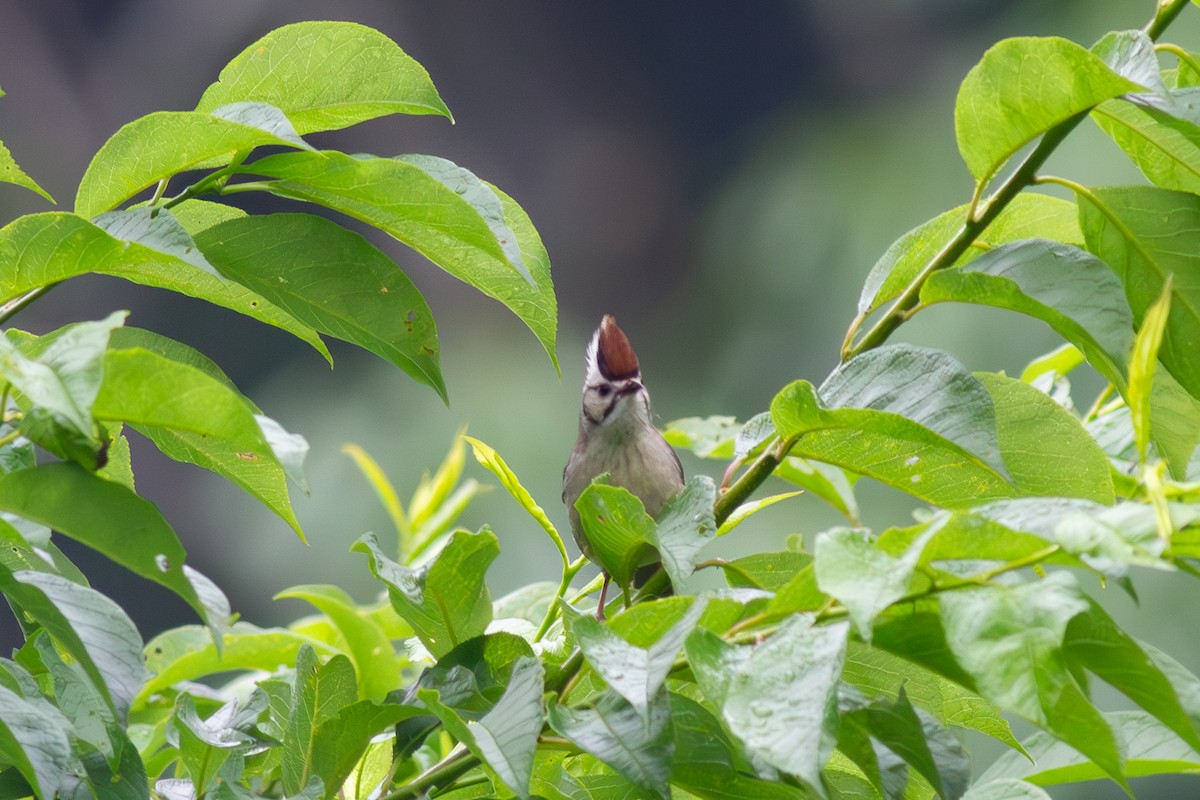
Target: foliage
847,664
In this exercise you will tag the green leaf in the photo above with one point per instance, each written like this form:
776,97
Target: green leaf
340,742
507,736
640,748
1020,89
1035,431
490,460
481,197
79,699
832,484
1009,639
321,691
1069,289
326,76
105,516
89,626
447,600
188,652
706,763
194,418
910,417
685,525
854,571
160,232
779,697
204,745
11,173
879,673
1150,749
421,211
707,437
61,378
34,739
375,661
1131,55
334,281
769,570
1094,641
159,145
37,250
1124,226
635,673
929,749
1142,363
1159,134
618,530
1028,216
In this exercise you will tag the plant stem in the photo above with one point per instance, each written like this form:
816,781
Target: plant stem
568,574
751,479
442,773
979,218
14,306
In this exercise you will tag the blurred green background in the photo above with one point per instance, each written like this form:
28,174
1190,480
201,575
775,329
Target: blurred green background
720,176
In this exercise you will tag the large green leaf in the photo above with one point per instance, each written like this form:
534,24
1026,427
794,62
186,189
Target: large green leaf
1150,749
333,280
60,378
879,673
420,210
195,418
619,532
779,698
910,417
1069,289
89,626
447,600
853,570
1009,639
188,652
707,764
38,250
507,736
1145,234
325,76
638,746
685,525
34,737
1028,216
1094,641
1035,431
103,515
1160,134
635,673
339,742
1020,89
321,691
375,660
159,145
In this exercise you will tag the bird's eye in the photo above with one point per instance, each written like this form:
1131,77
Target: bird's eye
604,390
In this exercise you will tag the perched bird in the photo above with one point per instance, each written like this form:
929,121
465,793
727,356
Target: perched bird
617,435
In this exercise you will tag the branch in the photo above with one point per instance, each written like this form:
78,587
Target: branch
979,219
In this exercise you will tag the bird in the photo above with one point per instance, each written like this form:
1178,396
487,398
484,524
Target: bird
617,436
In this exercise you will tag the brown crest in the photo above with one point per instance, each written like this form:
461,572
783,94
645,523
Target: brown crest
614,355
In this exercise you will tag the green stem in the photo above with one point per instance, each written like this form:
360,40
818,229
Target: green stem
442,773
751,479
213,182
568,574
979,218
14,306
